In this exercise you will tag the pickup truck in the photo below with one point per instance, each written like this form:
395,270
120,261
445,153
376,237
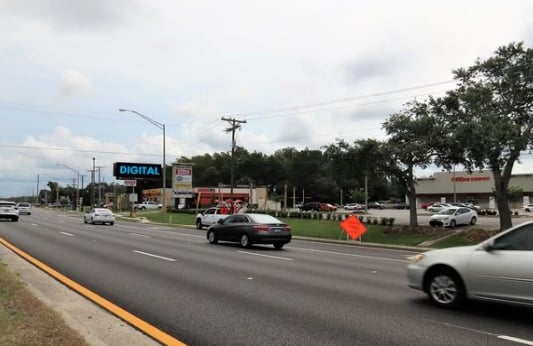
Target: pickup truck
209,217
147,205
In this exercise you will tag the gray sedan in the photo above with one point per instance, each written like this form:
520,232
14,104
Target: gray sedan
499,269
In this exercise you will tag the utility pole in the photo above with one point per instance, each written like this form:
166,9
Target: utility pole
93,196
234,125
99,186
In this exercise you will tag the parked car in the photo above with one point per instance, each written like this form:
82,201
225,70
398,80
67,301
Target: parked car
425,205
99,215
248,229
8,211
375,205
148,205
402,205
527,207
435,208
496,270
453,216
354,206
23,208
327,207
311,206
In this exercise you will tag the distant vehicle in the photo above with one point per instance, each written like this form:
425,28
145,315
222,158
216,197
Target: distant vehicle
425,205
8,211
298,205
402,205
209,217
99,215
327,207
354,206
435,208
527,207
23,208
249,229
311,206
375,205
148,205
497,270
453,216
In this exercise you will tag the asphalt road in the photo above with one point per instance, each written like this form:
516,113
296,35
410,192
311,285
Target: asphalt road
310,293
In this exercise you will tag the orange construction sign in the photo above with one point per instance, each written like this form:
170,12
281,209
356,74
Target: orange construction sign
353,227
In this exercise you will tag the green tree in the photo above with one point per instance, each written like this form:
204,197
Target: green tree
412,133
491,115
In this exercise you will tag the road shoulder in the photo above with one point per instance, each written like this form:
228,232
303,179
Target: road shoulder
96,325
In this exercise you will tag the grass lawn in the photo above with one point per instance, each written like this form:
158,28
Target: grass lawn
25,320
325,229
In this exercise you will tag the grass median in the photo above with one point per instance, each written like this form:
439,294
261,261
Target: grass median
329,229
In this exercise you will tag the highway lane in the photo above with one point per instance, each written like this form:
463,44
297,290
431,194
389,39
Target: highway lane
309,293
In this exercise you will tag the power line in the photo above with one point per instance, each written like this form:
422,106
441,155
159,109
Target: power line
310,105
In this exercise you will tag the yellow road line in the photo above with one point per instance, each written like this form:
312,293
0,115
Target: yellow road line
133,320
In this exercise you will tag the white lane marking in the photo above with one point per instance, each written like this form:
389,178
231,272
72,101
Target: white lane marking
69,234
504,337
260,255
156,256
350,255
517,340
140,235
34,224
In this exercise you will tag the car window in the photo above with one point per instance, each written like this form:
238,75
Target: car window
210,211
520,239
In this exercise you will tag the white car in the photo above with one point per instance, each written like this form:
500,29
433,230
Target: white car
435,208
8,210
354,206
23,208
496,270
527,207
99,215
451,217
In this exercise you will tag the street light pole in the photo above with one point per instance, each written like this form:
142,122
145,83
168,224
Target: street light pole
161,127
77,183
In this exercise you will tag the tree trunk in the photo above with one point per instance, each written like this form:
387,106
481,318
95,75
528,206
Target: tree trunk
501,184
413,217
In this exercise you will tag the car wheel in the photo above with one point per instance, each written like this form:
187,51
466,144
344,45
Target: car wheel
245,240
473,221
111,223
84,219
278,246
15,219
527,209
92,221
212,237
445,289
198,224
453,224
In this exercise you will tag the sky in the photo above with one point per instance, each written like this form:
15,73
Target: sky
302,74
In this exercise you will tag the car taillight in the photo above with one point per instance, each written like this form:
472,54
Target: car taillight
262,228
287,228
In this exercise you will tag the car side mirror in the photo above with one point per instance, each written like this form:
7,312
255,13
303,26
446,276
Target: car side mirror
488,246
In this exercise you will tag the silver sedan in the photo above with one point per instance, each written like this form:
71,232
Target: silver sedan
499,269
99,215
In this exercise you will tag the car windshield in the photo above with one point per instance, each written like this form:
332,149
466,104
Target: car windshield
448,211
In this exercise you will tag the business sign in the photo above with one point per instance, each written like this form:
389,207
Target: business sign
130,171
130,182
182,178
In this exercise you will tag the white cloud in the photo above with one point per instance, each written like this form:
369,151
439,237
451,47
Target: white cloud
73,84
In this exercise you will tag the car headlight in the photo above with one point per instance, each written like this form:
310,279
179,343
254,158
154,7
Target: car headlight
416,258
